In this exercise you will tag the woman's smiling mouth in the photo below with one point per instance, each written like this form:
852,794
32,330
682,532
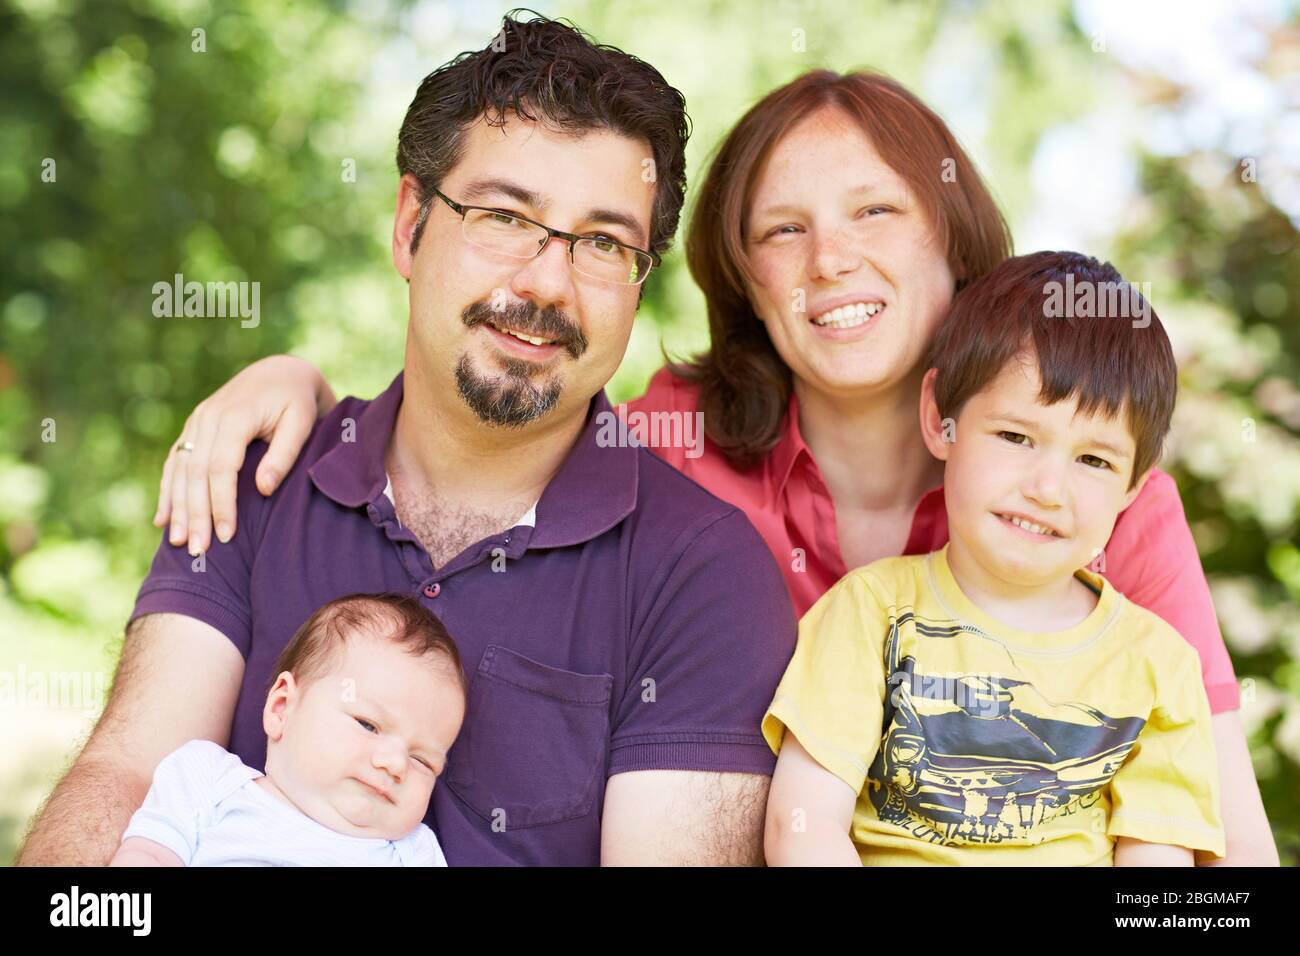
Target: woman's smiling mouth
848,316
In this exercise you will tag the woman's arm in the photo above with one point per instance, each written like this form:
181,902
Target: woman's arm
809,813
277,399
1152,559
1246,828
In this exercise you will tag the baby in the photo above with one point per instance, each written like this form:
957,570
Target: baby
996,702
369,697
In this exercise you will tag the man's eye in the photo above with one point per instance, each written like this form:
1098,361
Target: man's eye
1015,438
605,246
365,723
501,219
1094,462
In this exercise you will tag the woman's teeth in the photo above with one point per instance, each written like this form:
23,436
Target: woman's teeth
1031,527
847,316
530,339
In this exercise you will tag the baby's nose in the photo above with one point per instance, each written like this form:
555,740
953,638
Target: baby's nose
391,759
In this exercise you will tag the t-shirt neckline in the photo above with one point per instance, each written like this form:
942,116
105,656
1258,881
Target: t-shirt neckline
1046,643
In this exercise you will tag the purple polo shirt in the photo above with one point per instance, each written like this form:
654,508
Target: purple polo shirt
641,624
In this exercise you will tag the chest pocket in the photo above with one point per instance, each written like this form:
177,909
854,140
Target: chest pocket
533,747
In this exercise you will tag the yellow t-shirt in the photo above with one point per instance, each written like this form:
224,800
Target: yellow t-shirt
969,742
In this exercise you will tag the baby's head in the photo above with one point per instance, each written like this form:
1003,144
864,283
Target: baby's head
1050,392
367,700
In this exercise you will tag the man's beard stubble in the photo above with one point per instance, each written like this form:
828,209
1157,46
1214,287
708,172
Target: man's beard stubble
511,399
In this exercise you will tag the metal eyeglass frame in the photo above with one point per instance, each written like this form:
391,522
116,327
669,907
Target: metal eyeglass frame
461,209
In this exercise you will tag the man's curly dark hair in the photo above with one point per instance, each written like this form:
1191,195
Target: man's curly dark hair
548,71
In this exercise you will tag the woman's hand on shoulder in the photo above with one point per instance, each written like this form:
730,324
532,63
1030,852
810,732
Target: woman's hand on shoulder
276,399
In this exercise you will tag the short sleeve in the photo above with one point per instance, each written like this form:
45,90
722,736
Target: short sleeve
179,796
1151,559
1168,789
832,695
421,848
214,588
706,653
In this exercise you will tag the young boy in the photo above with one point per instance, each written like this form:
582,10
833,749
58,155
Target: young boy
996,702
369,697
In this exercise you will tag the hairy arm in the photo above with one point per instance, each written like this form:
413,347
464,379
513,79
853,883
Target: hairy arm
683,818
178,680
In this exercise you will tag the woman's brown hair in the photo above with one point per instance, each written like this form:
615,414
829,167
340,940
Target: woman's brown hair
744,384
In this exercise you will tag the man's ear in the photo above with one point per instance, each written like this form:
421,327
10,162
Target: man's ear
277,702
939,433
404,222
1131,495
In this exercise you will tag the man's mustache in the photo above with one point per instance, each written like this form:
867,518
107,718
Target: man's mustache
548,323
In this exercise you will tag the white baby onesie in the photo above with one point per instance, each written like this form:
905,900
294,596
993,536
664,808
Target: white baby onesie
205,808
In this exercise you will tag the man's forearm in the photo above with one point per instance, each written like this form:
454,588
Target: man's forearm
83,821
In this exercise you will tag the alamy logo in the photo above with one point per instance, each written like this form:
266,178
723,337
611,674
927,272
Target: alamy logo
213,300
621,428
1089,300
102,909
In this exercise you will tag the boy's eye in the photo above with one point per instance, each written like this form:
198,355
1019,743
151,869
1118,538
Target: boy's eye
1094,462
365,723
1015,438
424,763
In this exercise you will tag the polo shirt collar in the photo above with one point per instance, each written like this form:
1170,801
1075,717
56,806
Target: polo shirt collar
594,489
352,472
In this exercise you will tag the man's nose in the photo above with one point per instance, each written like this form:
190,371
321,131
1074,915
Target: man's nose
547,278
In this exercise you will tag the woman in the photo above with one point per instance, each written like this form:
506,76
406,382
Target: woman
836,223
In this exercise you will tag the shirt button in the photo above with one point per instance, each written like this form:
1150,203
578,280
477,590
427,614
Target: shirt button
432,590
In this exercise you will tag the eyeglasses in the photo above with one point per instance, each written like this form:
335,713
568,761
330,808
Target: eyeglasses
598,257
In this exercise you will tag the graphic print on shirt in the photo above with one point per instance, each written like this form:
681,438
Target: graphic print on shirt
982,759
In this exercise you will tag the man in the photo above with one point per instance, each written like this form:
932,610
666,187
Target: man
622,628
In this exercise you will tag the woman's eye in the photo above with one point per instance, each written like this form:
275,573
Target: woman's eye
1094,462
365,723
789,229
1015,438
870,211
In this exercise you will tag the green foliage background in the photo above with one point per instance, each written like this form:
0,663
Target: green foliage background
228,164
